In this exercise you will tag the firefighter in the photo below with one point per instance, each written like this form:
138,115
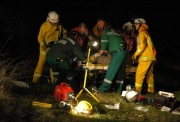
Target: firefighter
116,44
146,55
62,55
50,31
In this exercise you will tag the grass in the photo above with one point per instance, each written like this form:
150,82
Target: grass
16,102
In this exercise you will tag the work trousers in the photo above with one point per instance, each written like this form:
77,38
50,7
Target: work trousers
116,70
62,70
40,67
144,72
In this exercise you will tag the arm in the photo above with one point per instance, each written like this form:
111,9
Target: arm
41,37
78,52
142,45
104,42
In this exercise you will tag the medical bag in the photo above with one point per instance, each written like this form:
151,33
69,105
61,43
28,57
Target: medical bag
63,92
162,100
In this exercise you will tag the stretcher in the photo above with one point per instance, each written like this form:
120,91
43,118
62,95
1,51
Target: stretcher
129,68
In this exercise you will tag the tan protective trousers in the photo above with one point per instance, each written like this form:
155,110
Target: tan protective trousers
40,67
144,72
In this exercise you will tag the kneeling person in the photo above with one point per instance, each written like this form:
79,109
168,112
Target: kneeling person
62,55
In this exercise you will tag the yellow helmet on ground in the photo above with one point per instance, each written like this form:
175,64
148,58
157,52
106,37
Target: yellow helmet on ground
53,17
84,107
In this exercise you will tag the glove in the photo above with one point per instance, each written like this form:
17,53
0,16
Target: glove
79,63
96,55
134,57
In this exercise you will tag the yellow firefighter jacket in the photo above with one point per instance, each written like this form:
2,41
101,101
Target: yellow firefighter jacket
145,49
49,33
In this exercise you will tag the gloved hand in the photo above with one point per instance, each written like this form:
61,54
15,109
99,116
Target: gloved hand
79,63
134,57
43,48
96,55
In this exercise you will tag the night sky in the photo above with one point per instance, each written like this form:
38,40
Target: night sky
22,19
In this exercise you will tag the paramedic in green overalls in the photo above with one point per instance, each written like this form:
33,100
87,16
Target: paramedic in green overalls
114,42
61,57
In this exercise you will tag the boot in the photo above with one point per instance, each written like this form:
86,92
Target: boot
104,87
120,88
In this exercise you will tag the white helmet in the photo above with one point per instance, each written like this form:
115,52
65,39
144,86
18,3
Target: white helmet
139,20
53,17
131,96
127,26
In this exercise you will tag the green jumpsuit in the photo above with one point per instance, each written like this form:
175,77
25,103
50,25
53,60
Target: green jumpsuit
60,57
116,44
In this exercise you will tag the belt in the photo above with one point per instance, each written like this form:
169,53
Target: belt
116,51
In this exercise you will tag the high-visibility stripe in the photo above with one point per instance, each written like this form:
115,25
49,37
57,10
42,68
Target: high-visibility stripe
147,58
119,81
69,78
150,85
37,75
104,40
139,50
113,33
107,81
42,43
43,52
139,85
56,73
71,41
149,42
62,41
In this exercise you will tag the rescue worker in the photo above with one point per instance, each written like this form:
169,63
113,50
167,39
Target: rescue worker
62,55
98,28
146,56
130,36
83,35
97,31
116,44
50,31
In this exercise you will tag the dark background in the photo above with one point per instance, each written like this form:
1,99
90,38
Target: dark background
20,21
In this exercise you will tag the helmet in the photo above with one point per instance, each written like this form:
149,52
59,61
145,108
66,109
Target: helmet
127,26
139,20
131,96
84,107
53,17
74,33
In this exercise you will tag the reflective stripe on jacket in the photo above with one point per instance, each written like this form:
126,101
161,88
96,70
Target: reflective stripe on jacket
145,48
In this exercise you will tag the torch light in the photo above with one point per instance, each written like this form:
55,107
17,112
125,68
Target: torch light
90,45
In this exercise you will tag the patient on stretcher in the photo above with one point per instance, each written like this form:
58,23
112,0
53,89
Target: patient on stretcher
96,58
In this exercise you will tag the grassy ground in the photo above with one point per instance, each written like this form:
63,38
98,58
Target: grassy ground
16,103
18,107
